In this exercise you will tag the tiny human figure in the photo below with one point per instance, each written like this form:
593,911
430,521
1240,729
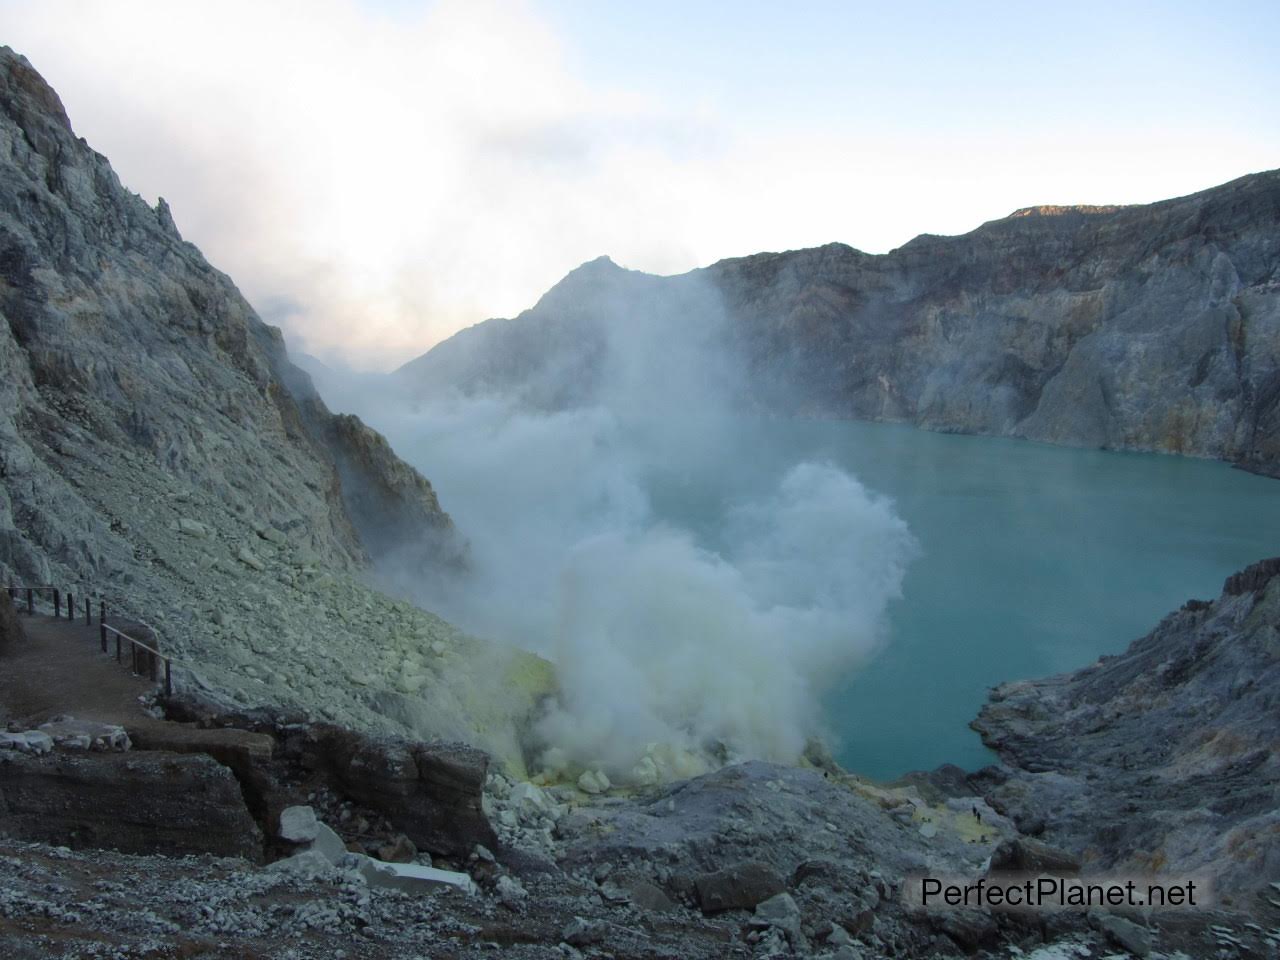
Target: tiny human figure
976,815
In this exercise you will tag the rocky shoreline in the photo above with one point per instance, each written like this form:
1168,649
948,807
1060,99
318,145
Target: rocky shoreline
1157,762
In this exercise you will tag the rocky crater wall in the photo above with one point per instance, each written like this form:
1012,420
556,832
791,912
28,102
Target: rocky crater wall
1150,327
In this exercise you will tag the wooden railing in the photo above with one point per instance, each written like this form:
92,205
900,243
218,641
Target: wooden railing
145,659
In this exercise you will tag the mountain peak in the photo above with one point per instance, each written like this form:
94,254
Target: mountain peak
601,265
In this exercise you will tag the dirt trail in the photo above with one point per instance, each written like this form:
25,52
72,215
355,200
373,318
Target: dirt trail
60,669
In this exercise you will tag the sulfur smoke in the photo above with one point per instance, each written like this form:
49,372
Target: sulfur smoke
694,614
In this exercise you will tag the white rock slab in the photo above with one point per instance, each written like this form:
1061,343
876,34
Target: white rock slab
408,877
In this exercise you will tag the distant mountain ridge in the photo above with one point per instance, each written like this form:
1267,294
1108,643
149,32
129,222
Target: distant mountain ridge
1148,327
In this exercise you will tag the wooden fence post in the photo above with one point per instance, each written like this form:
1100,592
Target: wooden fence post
168,677
31,601
88,620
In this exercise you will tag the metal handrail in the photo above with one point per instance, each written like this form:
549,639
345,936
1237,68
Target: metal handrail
136,645
141,654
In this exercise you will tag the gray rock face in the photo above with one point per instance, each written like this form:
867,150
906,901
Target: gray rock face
124,351
158,447
1148,328
1162,758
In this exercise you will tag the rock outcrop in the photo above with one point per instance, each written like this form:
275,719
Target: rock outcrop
143,803
156,445
1150,327
430,791
1163,758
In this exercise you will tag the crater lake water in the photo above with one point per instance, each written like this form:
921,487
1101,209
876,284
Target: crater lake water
1034,560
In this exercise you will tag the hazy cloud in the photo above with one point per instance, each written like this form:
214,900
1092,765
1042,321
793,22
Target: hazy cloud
375,177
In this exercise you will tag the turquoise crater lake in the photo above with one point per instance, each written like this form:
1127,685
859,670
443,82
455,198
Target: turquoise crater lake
1034,560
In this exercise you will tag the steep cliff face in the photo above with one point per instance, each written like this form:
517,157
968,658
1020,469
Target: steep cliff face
156,445
121,339
1148,327
1162,758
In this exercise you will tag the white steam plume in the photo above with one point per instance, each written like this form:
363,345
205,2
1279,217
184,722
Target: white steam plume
709,636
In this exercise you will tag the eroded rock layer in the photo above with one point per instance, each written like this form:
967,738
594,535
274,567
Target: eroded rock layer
133,802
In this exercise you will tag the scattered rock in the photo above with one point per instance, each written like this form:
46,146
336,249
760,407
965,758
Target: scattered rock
307,865
298,824
1124,933
192,528
648,896
400,850
611,893
838,936
71,734
328,844
1023,855
582,933
272,535
28,741
510,890
593,782
527,798
737,888
969,929
250,559
780,911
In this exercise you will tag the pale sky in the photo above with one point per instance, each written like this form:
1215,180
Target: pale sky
376,174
